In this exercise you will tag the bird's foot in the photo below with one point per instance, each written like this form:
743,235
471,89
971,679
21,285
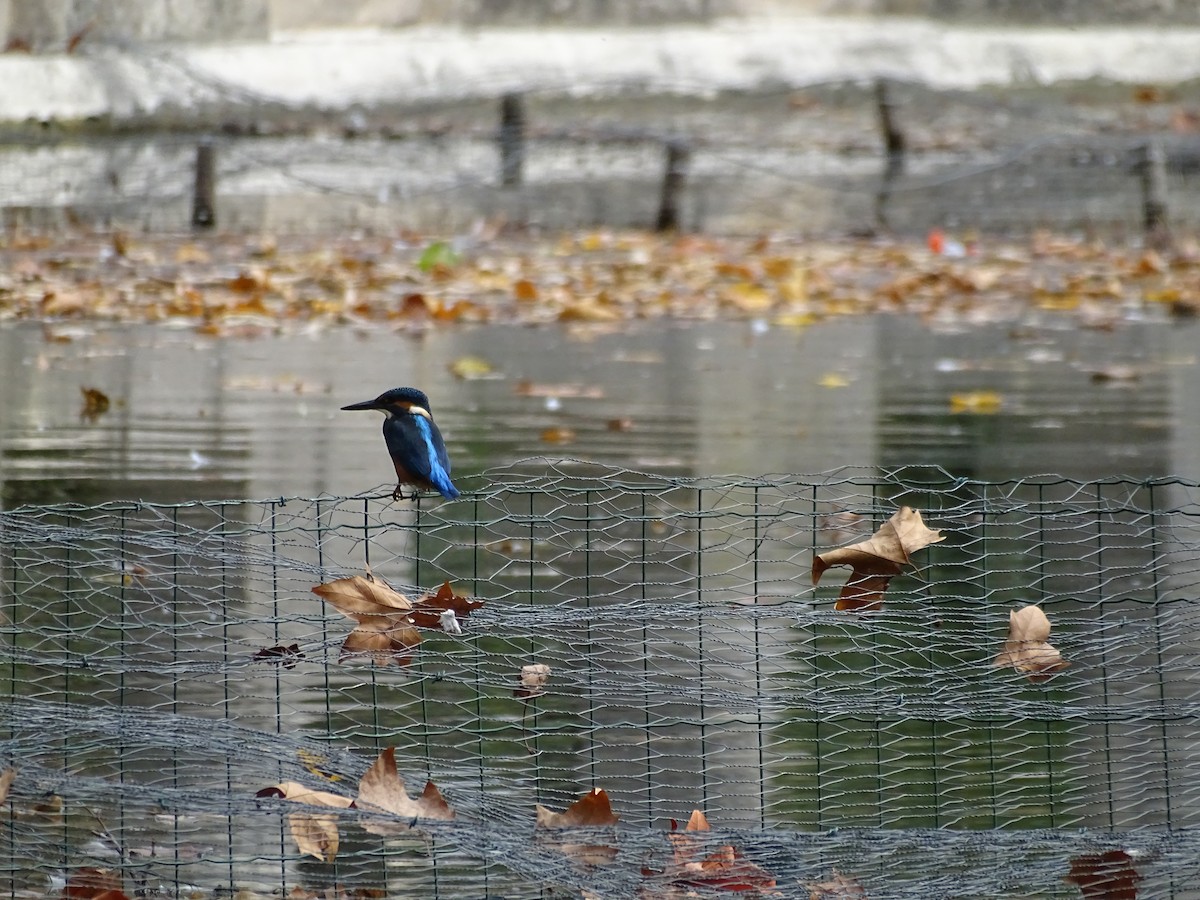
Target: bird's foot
398,493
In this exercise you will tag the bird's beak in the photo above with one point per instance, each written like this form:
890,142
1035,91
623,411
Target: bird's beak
366,404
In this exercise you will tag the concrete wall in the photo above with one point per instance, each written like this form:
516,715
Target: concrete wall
49,25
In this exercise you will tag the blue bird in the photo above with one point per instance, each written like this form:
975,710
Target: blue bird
413,440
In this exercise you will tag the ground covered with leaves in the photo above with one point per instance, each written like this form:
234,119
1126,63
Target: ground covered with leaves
253,286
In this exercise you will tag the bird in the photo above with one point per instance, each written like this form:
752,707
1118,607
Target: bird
413,441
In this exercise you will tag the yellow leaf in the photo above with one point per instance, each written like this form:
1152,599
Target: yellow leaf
833,380
472,368
982,403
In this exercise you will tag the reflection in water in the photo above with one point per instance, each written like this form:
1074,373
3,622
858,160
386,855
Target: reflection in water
692,665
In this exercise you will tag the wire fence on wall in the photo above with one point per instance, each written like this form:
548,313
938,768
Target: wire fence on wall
165,663
808,160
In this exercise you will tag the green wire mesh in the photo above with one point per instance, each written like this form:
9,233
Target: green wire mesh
692,666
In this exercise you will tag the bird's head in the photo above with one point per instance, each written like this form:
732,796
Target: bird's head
397,401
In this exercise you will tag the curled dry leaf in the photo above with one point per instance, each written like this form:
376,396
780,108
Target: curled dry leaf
592,810
693,865
385,631
315,834
428,611
287,657
1105,876
382,788
533,681
1027,648
878,559
95,404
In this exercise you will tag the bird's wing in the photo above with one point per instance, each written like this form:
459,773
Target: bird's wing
416,444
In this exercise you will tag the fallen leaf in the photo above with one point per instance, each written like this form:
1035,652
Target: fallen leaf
385,631
722,869
285,656
382,788
533,679
876,560
980,403
95,404
1109,875
427,613
1027,648
317,764
6,780
592,810
833,380
89,883
472,368
623,424
836,887
315,834
559,391
558,435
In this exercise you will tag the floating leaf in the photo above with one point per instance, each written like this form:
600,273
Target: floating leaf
472,368
980,403
427,613
558,435
286,657
1027,648
385,631
836,887
592,810
315,834
1109,875
382,788
877,560
95,404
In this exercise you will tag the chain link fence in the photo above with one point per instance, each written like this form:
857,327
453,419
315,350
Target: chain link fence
166,663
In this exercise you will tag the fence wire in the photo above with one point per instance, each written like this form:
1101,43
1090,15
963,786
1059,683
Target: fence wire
692,665
806,159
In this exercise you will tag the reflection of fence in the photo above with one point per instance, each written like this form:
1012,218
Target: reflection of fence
811,160
692,665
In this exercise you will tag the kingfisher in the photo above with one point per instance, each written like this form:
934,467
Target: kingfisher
413,440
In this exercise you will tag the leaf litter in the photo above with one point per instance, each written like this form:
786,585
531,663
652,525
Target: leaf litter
246,286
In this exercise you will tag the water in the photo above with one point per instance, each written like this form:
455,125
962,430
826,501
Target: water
198,418
678,629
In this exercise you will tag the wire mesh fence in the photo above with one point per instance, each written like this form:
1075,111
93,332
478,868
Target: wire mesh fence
165,663
807,159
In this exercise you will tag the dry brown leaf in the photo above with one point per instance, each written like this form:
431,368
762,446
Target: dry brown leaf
287,657
315,834
533,681
1027,648
89,883
877,560
836,887
6,780
385,631
558,435
472,368
382,788
95,404
1109,875
592,810
723,869
427,613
